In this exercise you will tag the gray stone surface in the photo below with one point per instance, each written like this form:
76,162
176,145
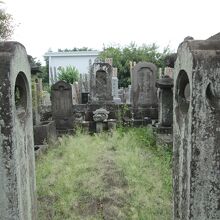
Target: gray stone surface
62,104
99,126
168,71
17,163
76,96
122,95
115,87
100,115
45,132
35,104
215,37
128,97
165,98
143,84
46,99
112,124
196,166
101,83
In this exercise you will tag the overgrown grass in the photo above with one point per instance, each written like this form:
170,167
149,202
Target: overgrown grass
122,175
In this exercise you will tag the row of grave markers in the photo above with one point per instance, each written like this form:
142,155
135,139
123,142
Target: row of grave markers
196,130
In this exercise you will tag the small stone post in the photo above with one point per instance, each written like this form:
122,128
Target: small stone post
99,126
165,85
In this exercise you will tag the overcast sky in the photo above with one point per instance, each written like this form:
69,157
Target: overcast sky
44,24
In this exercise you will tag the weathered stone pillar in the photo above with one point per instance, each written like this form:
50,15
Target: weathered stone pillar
196,122
165,85
112,124
35,104
99,126
17,163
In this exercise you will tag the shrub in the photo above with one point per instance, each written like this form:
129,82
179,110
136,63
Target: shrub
69,74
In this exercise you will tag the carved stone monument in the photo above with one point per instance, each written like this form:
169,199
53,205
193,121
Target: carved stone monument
143,84
196,167
101,83
62,104
143,92
100,116
17,163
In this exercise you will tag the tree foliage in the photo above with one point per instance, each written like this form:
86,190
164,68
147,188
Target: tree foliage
123,55
75,49
6,25
69,74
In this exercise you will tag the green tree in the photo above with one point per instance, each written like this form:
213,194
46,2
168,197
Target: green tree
6,24
75,49
69,74
123,55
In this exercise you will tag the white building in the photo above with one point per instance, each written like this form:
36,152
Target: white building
78,59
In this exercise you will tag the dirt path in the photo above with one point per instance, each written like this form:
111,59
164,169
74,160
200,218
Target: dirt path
110,205
116,188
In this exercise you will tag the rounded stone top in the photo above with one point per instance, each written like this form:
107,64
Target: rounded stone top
188,38
61,84
10,46
164,82
144,64
101,110
100,115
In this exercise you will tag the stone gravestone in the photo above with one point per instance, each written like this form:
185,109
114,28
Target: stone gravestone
75,93
17,163
143,79
101,83
165,85
128,100
115,86
196,122
169,72
62,104
84,88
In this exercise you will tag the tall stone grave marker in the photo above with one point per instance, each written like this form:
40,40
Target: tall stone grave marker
128,100
115,86
196,167
101,83
62,105
17,163
143,84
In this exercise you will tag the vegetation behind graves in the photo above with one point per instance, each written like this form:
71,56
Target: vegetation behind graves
69,74
122,175
123,55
